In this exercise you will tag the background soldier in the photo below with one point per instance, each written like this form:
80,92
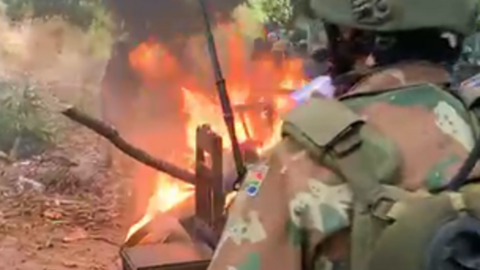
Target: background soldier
361,180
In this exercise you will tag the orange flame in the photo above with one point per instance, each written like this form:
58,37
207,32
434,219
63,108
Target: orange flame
248,83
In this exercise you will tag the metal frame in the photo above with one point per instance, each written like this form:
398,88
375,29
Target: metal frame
260,107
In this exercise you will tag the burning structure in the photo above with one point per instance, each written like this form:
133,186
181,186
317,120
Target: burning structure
200,204
171,111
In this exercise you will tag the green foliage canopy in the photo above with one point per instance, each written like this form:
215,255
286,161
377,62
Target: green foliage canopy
27,128
82,13
278,11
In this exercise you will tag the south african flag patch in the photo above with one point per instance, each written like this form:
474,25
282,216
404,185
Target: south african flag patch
254,179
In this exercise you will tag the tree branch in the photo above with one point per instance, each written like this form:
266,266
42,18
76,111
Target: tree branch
105,130
111,134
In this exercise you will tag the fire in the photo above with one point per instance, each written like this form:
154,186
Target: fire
204,111
293,80
145,57
248,83
168,194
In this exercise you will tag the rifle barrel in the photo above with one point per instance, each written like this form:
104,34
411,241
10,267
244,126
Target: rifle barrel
222,93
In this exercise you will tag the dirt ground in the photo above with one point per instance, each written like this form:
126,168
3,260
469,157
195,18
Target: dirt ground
61,210
39,244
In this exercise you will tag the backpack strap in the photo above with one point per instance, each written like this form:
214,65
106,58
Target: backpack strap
336,137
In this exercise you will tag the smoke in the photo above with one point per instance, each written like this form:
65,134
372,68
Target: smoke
244,27
168,19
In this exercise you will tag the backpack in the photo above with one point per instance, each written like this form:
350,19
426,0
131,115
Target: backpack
393,229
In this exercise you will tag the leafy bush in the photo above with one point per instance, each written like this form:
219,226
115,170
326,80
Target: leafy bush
82,13
27,128
91,16
277,11
100,32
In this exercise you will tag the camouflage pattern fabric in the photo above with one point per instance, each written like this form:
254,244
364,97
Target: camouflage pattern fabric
292,211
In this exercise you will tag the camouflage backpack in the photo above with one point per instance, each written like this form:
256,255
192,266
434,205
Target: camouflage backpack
392,228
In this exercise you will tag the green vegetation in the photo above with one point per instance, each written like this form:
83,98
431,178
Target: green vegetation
278,11
91,16
82,13
26,127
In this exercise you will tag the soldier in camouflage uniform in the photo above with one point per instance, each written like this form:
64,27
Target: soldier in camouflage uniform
360,182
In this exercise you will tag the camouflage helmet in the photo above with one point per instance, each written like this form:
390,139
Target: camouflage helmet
397,15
